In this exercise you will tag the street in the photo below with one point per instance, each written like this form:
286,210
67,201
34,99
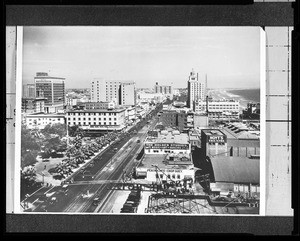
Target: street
117,161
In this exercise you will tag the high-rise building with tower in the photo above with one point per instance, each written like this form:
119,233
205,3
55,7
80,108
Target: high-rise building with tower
196,89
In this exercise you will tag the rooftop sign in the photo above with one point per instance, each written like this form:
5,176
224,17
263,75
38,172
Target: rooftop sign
174,146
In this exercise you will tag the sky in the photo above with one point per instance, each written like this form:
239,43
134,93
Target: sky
229,56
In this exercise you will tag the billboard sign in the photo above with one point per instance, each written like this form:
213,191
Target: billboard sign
216,139
173,146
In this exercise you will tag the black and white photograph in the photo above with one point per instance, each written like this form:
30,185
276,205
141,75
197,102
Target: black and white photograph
142,120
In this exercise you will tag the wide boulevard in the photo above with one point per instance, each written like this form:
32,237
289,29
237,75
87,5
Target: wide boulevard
115,163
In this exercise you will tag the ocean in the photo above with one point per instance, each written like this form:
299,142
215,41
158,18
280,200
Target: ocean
247,94
244,96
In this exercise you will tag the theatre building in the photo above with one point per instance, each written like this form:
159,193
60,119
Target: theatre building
167,157
213,143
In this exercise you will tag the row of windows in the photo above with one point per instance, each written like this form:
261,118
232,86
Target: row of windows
91,123
69,118
169,176
87,114
55,119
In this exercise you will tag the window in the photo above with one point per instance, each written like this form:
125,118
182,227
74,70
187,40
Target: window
178,176
173,176
115,123
161,175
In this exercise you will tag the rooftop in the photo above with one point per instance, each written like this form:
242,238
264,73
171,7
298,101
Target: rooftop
95,110
235,169
182,138
214,132
162,161
59,115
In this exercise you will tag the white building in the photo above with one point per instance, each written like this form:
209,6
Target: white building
219,109
101,119
127,93
150,97
130,114
196,89
39,121
167,156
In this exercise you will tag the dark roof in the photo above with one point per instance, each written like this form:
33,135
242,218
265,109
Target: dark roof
235,169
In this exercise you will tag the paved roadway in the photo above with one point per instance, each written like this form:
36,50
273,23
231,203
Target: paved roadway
110,165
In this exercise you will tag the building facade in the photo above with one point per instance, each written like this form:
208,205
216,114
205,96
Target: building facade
97,119
40,120
33,105
163,89
218,109
167,157
28,91
213,143
101,105
196,89
52,89
175,119
127,93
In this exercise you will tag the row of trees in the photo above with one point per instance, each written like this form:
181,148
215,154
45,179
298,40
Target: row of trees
78,153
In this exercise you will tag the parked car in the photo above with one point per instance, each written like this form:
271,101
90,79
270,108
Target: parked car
96,201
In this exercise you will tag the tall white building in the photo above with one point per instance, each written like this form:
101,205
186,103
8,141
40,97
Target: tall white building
119,92
127,93
196,89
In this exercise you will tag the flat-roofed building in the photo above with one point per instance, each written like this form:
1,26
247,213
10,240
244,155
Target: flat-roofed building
52,89
173,118
97,119
213,142
239,175
243,140
40,120
97,105
166,167
127,93
28,91
218,109
33,105
167,142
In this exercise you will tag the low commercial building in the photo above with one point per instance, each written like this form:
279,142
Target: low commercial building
200,121
239,175
165,167
213,143
40,120
97,105
167,157
33,105
219,109
168,142
101,119
175,119
243,140
150,97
